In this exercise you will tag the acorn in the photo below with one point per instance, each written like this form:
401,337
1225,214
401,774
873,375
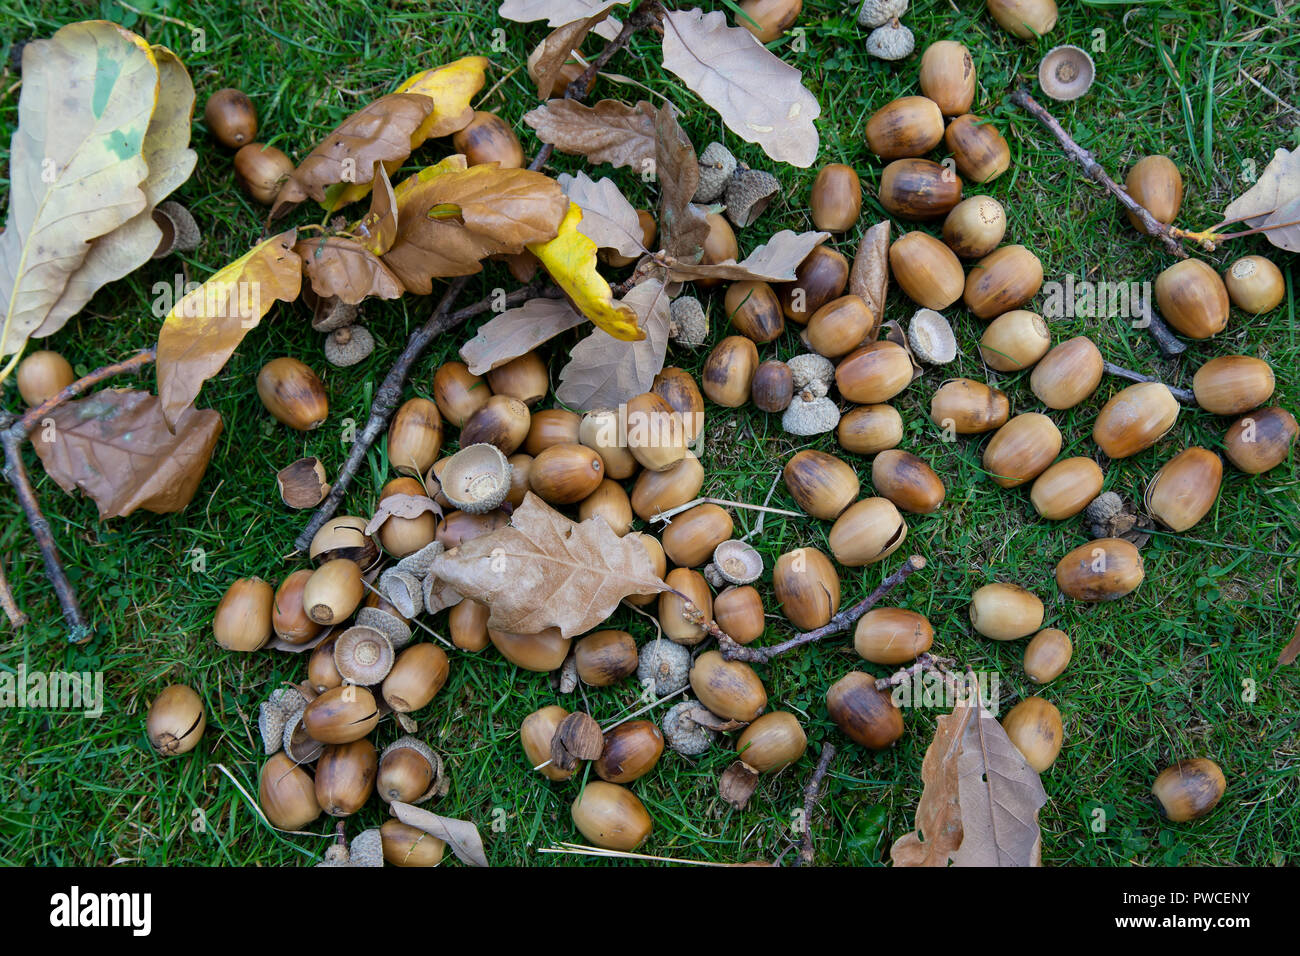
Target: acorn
1189,789
1025,19
409,772
981,152
458,393
605,657
1157,185
341,715
244,616
42,375
675,627
601,431
520,467
839,326
676,387
927,270
906,127
1015,340
1034,726
292,394
975,227
729,689
333,592
1066,488
1193,299
820,484
1135,419
405,845
658,565
656,433
868,429
738,610
754,310
344,537
261,170
524,378
176,720
969,407
535,735
1047,654
631,751
286,794
1003,280
822,276
948,77
807,587
565,474
401,536
414,437
729,370
611,816
231,117
502,421
489,139
690,538
1022,449
1005,612
892,636
540,653
1184,489
608,501
866,716
467,625
773,386
551,426
874,373
719,246
419,672
656,491
1068,374
772,742
321,672
1255,285
907,481
363,655
1101,570
1232,384
345,777
768,19
918,189
836,199
457,527
1261,440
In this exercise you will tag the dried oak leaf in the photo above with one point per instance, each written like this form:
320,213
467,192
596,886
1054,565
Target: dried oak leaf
557,50
604,372
609,132
683,226
869,277
543,570
340,267
377,229
608,219
1292,650
774,261
461,835
116,448
518,331
450,217
1273,200
760,98
556,13
401,506
981,799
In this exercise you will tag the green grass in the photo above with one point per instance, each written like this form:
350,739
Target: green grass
1156,677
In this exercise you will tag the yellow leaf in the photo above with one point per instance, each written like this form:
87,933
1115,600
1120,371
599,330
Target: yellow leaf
451,87
570,258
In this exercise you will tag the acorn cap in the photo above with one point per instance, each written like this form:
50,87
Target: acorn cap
440,784
737,784
875,13
749,193
812,371
302,484
1066,73
893,41
810,415
299,745
403,591
476,479
421,562
716,168
390,625
666,664
180,233
687,323
366,849
714,576
737,561
348,345
683,734
330,313
931,338
363,655
270,724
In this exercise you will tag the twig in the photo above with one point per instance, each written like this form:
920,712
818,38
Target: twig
810,795
16,617
1182,394
725,502
581,849
924,662
33,417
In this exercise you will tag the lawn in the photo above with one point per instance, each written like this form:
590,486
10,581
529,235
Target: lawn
1183,667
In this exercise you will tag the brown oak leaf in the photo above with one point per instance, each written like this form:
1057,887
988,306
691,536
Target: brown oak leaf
609,132
518,331
556,13
604,372
683,226
870,275
337,266
461,835
557,50
774,261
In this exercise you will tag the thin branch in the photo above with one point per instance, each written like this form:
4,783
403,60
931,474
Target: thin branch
811,793
1182,394
724,502
16,617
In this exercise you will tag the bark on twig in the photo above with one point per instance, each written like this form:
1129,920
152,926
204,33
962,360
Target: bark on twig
16,617
811,793
1182,394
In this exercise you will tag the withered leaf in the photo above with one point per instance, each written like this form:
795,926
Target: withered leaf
774,261
556,13
604,372
302,483
340,267
461,835
544,570
981,799
1292,650
609,132
869,277
1276,186
683,226
402,506
577,737
760,98
557,50
377,229
517,331
608,219
116,448
737,784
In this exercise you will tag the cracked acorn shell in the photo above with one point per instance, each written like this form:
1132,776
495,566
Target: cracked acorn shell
675,627
691,536
730,689
476,479
821,484
1232,384
608,501
981,152
1066,488
1022,449
754,310
409,771
836,199
1025,19
874,373
417,675
918,189
502,421
656,491
458,393
1047,654
1255,284
1034,726
535,735
1003,611
839,326
1157,185
541,652
676,387
1015,340
611,816
868,429
892,636
866,716
551,426
907,481
566,474
341,715
344,537
286,794
821,276
1005,279
631,751
1183,491
293,394
405,845
176,720
244,616
524,378
975,227
728,373
1135,419
1261,440
927,270
869,531
1189,789
1193,299
807,587
1068,374
345,777
362,655
605,657
1101,570
42,375
772,742
948,77
739,611
968,407
906,127
600,431
656,433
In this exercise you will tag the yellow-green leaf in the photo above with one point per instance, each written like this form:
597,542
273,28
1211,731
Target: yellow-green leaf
570,258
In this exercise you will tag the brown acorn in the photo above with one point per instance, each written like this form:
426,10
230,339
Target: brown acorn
656,433
611,816
1025,19
905,127
1101,570
867,429
631,751
399,535
605,657
602,431
1232,384
874,373
821,484
1015,340
261,170
969,407
341,715
729,371
671,620
1047,654
807,587
333,592
691,537
409,772
405,845
1189,789
927,270
839,326
918,189
981,152
292,394
467,625
502,421
836,199
1135,419
42,375
772,742
975,227
1255,285
1183,491
289,619
823,275
773,386
419,672
1005,612
1068,374
1193,299
458,393
457,527
322,674
565,474
948,77
551,426
176,720
866,716
535,735
892,636
286,793
1022,449
1261,441
231,117
719,246
768,19
869,531
610,502
1003,280
414,437
656,491
489,139
1034,726
1066,488
729,689
676,387
907,481
244,616
754,310
738,611
1157,185
541,652
524,378
345,777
